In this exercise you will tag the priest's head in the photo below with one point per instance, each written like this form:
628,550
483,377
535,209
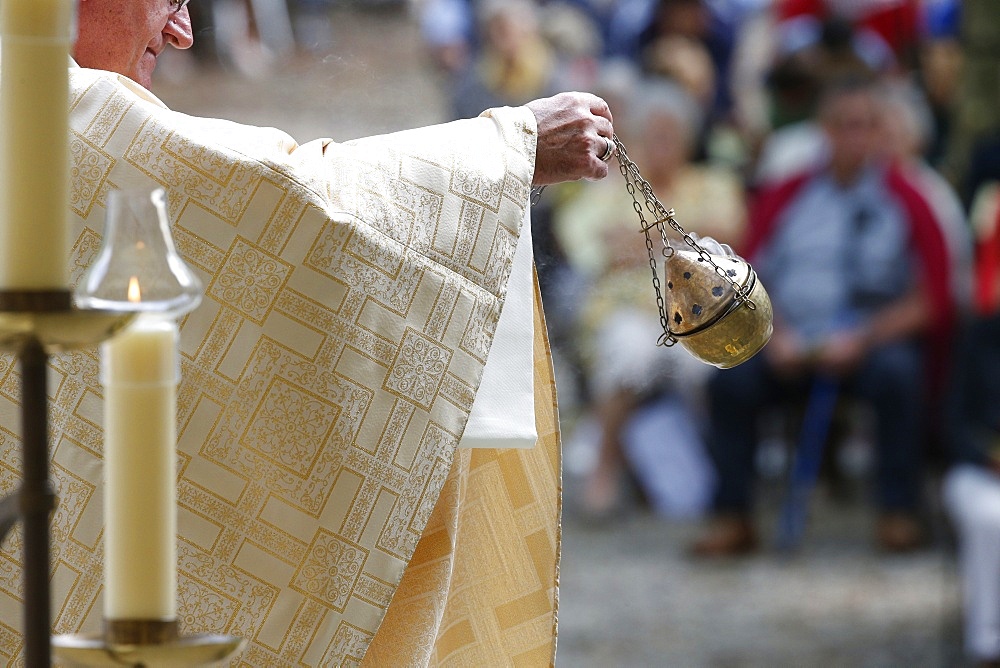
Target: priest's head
127,36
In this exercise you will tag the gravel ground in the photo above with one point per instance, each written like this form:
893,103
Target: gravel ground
630,597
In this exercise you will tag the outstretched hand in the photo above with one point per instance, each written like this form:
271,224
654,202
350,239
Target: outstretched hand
573,133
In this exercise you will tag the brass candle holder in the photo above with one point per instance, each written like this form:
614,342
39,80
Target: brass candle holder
145,643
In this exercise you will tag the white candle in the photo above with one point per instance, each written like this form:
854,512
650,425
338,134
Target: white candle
34,142
140,371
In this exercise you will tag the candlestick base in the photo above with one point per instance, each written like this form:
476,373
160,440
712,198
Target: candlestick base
193,650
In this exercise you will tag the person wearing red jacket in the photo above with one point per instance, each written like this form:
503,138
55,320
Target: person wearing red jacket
858,272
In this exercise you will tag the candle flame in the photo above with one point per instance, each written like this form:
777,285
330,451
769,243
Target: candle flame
134,295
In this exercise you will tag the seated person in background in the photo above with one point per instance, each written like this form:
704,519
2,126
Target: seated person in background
971,487
858,273
514,62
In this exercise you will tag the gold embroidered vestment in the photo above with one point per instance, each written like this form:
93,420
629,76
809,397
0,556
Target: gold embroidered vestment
351,295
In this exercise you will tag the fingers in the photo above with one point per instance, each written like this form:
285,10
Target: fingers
599,107
592,107
598,170
575,133
605,148
597,120
603,125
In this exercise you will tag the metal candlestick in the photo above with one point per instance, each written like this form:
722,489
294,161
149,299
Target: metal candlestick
34,324
138,269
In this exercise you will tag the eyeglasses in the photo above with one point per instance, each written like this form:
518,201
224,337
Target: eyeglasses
178,5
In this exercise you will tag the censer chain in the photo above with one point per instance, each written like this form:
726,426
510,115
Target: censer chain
662,215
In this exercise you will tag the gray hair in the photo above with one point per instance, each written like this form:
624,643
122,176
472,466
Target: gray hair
658,96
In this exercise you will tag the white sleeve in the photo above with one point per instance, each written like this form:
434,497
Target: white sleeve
503,413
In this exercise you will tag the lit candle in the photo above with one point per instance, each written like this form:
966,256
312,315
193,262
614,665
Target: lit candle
140,371
34,143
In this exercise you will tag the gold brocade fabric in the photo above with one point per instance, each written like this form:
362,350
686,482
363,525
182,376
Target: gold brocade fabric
482,587
351,294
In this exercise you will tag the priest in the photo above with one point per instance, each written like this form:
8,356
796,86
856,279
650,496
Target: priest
368,465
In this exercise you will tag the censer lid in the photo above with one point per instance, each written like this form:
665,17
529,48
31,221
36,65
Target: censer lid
697,296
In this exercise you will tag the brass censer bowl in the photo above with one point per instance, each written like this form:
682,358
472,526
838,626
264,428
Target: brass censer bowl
707,315
714,304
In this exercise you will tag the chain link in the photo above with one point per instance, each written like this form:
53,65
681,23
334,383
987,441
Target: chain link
662,215
536,194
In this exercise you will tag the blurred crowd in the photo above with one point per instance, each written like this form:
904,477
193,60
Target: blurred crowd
809,135
255,38
846,148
